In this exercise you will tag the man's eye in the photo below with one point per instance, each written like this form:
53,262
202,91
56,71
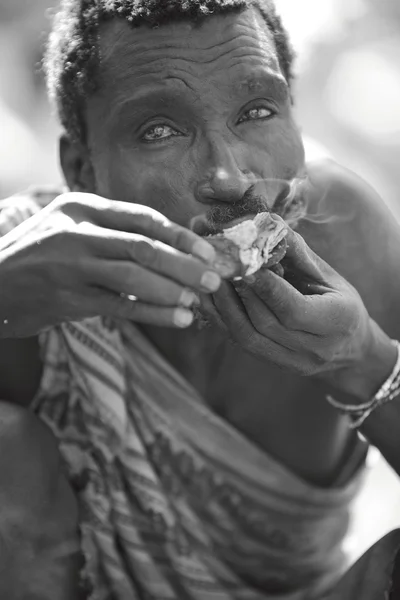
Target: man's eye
255,114
159,132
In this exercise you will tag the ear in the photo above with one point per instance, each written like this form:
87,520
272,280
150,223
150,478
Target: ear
76,166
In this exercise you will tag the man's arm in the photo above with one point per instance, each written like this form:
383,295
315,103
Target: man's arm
352,229
382,427
20,370
356,234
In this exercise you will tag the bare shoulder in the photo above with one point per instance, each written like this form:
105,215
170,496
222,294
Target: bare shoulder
350,226
337,191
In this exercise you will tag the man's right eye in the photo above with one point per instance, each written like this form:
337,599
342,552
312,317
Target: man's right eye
158,133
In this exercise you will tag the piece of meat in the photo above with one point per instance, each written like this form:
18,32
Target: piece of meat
247,247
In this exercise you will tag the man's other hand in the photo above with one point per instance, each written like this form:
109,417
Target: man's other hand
311,322
84,256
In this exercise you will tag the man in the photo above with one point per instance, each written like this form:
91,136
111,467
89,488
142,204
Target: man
199,470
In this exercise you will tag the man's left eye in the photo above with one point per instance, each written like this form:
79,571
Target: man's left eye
255,114
159,133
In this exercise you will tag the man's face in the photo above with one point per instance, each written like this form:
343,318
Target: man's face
188,119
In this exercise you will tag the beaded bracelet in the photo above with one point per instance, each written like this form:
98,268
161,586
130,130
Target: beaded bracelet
387,392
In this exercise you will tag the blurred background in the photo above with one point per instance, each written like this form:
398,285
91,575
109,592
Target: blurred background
347,103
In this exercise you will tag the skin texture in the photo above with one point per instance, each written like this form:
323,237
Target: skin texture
203,82
194,85
197,85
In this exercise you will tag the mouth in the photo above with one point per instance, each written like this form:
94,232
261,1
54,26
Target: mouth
203,227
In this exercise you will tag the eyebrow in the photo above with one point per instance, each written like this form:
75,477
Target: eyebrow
150,94
273,82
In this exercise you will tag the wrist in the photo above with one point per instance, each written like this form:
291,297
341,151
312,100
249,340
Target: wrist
362,380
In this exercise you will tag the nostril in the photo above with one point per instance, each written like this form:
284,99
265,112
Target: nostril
205,190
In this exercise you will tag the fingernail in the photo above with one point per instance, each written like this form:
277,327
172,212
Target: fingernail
211,281
183,317
197,300
203,250
188,298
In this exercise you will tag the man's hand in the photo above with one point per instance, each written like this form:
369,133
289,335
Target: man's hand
84,256
312,322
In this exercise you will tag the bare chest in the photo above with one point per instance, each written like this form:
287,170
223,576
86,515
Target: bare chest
284,415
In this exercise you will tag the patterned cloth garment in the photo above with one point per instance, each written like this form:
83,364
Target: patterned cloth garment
175,503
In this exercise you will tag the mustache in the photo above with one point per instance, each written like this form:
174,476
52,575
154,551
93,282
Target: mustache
251,203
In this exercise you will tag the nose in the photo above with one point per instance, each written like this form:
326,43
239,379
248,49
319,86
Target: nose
223,179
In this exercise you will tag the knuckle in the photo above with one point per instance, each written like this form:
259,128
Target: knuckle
179,236
152,221
148,220
146,252
79,206
321,359
263,324
68,203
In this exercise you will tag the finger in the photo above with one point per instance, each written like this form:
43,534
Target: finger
120,307
230,309
136,218
134,280
156,256
207,308
266,323
300,259
233,314
262,318
277,254
290,307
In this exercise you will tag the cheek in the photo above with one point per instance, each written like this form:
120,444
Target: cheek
277,157
277,151
153,180
288,155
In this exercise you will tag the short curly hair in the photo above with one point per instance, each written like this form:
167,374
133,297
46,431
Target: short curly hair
72,58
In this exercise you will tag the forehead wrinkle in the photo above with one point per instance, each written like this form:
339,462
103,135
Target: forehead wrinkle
123,58
180,69
238,48
124,81
117,33
117,37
